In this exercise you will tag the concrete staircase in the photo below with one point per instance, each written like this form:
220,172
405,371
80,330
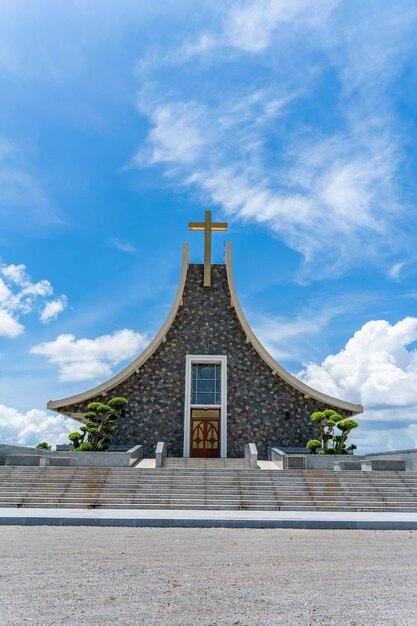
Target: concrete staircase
178,488
192,464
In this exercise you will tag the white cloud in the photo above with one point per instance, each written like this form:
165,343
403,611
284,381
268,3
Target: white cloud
338,189
123,246
294,339
28,429
15,273
395,271
327,185
178,134
391,437
9,326
84,359
374,367
250,26
377,368
53,308
20,296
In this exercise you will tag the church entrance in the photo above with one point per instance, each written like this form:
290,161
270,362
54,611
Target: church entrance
205,433
205,406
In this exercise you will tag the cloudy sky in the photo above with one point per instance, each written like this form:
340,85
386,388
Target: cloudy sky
294,121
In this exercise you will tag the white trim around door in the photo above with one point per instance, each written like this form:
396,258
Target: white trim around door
214,359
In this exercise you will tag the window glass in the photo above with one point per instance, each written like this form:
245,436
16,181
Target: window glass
205,383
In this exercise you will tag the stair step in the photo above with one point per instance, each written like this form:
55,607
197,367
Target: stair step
207,488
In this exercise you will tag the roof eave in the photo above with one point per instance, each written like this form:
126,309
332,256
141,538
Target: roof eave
276,368
104,388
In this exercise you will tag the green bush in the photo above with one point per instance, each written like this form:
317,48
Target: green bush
104,408
317,416
90,415
313,444
117,404
43,445
100,421
347,424
330,443
85,446
93,406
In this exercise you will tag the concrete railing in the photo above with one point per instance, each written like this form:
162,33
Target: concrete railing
277,456
135,454
56,461
108,458
23,459
371,465
383,465
160,454
348,465
286,461
337,462
251,455
409,456
7,450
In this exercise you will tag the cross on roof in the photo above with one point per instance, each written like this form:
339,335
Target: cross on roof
208,226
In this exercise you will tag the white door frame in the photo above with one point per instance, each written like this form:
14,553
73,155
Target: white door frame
220,359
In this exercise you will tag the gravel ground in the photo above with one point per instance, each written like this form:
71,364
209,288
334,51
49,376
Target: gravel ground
127,576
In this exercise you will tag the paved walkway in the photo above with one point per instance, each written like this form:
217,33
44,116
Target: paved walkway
204,519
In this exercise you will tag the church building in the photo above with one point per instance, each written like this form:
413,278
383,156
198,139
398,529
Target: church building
205,385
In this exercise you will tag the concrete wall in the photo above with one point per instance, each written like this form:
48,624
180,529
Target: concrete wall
327,461
380,461
96,459
102,459
31,456
6,449
409,456
23,459
315,461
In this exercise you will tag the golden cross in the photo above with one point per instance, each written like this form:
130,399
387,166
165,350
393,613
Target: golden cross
208,226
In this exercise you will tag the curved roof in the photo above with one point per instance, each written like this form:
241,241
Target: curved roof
144,356
276,368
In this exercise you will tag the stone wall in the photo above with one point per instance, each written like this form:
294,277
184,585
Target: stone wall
262,408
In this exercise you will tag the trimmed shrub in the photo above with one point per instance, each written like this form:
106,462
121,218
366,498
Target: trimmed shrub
85,446
347,424
329,442
100,423
43,445
118,403
313,444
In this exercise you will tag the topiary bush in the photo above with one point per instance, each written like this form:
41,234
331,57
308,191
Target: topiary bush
100,423
43,445
329,442
313,445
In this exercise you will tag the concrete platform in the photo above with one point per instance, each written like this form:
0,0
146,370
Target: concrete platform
208,519
145,464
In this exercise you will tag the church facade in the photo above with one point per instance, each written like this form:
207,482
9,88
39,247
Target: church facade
205,385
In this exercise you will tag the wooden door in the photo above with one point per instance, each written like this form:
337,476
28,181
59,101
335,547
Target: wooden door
205,433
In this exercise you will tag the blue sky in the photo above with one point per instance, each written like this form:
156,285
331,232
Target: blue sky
294,121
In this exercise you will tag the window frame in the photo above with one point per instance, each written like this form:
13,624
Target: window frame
212,359
214,393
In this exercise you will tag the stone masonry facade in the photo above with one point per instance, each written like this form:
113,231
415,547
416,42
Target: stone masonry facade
261,407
